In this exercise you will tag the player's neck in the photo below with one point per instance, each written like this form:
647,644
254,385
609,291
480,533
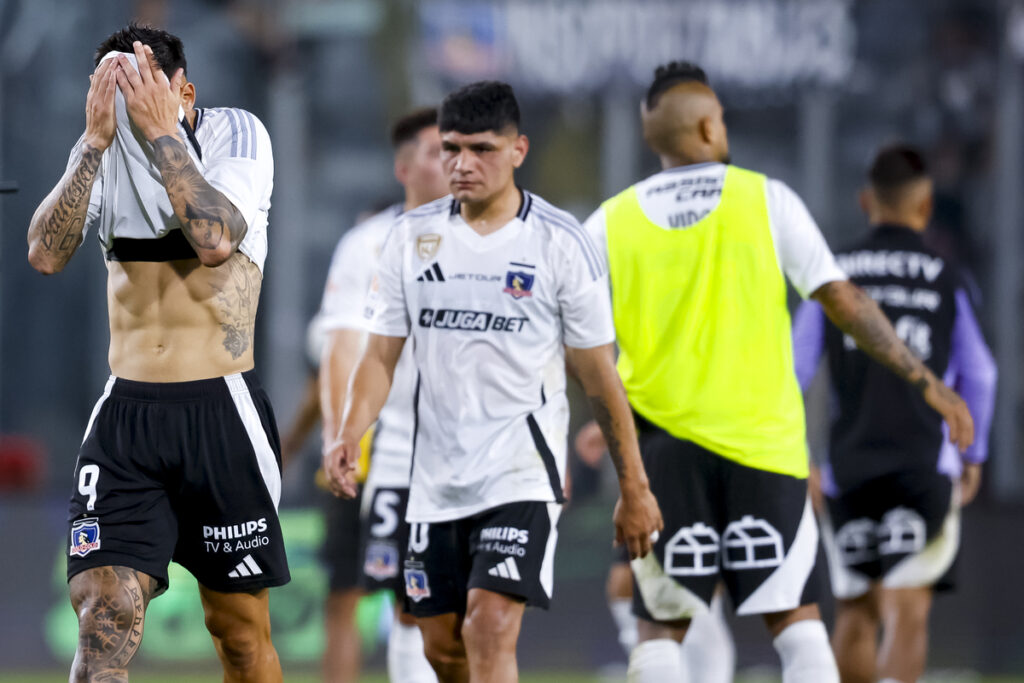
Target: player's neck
686,159
493,213
414,200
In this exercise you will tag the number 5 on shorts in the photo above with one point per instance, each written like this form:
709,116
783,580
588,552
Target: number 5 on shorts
88,477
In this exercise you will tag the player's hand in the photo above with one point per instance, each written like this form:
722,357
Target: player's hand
100,120
637,518
953,410
340,458
590,445
814,489
970,482
151,100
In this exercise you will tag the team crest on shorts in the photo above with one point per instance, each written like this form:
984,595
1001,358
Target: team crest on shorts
416,585
381,561
427,245
518,284
85,536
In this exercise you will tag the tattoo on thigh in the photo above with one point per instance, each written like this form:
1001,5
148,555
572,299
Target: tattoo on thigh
111,605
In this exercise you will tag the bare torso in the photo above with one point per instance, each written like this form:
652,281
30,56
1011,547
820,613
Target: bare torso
179,321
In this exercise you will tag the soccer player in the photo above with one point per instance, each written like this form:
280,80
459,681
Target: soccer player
698,257
180,458
708,652
894,483
368,555
498,289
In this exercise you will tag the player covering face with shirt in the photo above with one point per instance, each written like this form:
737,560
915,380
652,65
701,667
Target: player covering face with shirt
498,289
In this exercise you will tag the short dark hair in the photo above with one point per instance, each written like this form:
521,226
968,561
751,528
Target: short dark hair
167,48
409,126
479,107
894,167
671,74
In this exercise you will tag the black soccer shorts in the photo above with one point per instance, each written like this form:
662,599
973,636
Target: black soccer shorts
189,471
509,549
751,529
340,551
385,539
901,530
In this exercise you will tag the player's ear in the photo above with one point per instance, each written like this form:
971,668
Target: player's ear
401,171
188,95
926,205
866,200
520,147
706,127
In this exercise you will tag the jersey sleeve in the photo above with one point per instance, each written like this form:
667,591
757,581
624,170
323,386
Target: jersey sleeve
386,311
974,374
583,296
348,281
803,254
96,196
808,341
240,165
597,230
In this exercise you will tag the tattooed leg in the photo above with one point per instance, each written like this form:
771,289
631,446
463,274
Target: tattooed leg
111,606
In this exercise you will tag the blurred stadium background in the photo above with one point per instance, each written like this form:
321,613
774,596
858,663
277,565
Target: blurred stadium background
812,87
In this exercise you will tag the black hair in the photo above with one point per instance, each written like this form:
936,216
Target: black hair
167,48
671,74
894,167
409,126
479,107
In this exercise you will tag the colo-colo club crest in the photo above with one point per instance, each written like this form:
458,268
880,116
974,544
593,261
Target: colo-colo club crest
85,536
518,284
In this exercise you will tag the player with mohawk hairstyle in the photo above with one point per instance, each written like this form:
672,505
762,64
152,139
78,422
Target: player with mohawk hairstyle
698,257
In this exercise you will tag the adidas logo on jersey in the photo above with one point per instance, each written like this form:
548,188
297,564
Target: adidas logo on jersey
506,569
247,567
431,274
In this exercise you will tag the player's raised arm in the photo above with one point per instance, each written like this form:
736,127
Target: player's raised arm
636,515
368,391
211,223
856,314
56,229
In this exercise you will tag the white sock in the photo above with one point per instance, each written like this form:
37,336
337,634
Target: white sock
656,661
805,653
708,652
622,613
406,661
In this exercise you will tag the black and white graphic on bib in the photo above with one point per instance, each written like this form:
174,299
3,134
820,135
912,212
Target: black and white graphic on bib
692,551
856,541
901,532
236,537
505,540
752,544
506,569
247,567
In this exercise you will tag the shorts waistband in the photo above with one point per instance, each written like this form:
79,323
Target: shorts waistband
239,382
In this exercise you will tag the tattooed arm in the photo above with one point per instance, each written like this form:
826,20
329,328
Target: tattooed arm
211,223
636,515
111,606
856,314
57,224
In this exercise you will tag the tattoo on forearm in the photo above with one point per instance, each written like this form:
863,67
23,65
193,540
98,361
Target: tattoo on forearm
864,321
604,420
237,296
60,232
206,215
111,606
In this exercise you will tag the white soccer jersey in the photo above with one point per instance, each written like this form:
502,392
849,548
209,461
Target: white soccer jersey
344,304
679,197
232,151
488,317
